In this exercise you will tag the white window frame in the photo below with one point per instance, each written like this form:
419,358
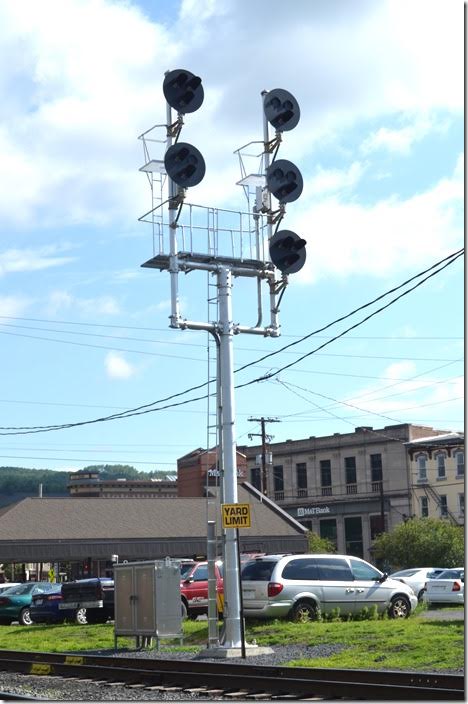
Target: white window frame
443,506
461,463
440,458
424,504
422,466
461,504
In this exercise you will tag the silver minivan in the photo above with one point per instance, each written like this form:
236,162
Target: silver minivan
301,586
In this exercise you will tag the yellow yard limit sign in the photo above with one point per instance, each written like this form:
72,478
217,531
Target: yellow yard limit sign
236,515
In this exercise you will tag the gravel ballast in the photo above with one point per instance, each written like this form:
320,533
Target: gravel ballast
56,689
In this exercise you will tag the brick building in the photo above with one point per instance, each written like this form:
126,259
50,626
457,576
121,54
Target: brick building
86,483
199,469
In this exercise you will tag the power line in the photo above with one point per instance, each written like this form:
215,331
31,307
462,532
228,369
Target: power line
147,408
195,359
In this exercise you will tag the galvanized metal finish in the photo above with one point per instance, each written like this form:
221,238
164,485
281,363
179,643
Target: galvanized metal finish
147,599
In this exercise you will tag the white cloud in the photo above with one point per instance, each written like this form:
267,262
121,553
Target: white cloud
14,306
82,78
117,367
401,140
330,180
346,238
61,300
394,399
16,260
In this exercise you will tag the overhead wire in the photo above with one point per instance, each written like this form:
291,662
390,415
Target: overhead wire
148,408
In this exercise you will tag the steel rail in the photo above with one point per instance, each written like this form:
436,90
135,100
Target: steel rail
276,681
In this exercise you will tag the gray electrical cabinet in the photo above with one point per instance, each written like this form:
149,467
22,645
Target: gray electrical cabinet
147,600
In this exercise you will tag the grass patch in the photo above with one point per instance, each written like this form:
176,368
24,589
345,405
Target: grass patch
411,644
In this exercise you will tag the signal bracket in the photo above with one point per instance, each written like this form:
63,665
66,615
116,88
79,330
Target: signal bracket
273,143
174,130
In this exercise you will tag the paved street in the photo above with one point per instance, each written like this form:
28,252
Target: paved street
444,614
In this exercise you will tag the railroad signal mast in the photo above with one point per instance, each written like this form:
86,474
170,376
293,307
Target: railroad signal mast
227,244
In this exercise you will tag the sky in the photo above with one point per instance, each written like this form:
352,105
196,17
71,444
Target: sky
84,328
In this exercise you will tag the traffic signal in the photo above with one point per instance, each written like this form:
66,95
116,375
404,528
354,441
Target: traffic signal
183,91
284,181
281,109
184,164
287,251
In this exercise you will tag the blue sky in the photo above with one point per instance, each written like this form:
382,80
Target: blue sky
84,329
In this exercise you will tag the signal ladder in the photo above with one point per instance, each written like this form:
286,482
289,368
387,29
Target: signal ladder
212,400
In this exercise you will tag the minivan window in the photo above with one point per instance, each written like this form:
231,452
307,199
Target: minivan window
201,573
363,571
185,568
258,571
334,569
301,570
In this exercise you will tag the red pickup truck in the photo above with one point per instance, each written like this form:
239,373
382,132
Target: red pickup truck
194,588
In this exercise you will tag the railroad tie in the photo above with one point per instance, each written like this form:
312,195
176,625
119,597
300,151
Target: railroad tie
238,694
258,695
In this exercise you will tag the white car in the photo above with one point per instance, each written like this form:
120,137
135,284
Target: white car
416,578
447,588
302,586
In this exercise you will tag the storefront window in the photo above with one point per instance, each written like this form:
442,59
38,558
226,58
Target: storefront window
353,536
328,530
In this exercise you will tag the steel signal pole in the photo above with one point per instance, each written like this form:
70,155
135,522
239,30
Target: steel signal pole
232,616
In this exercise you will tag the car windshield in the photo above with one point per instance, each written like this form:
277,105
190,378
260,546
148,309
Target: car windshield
258,571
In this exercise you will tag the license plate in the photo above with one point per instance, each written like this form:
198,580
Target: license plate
248,594
38,602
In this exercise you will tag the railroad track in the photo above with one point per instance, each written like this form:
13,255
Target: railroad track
237,680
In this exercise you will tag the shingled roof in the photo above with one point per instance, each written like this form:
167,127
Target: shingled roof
43,529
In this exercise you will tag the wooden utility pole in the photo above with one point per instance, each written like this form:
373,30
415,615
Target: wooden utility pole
265,438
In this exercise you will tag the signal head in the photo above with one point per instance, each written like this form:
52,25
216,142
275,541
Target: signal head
183,91
287,251
281,109
184,164
284,180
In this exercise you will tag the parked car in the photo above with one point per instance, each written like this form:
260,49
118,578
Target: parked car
15,602
299,586
417,577
7,585
45,608
95,595
447,588
194,589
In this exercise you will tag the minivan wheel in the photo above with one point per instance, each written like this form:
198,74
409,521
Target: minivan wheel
303,612
421,594
25,618
399,607
184,610
80,617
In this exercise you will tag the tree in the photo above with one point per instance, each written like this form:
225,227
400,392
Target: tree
318,544
421,542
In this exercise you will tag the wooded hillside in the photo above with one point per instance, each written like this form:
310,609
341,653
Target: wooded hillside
14,480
